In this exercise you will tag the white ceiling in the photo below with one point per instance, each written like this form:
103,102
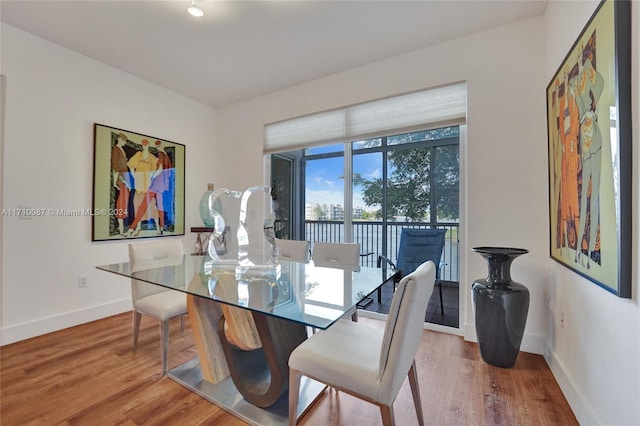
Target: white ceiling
243,49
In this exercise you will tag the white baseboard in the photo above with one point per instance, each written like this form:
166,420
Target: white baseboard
442,328
583,413
531,343
375,315
470,333
40,326
427,325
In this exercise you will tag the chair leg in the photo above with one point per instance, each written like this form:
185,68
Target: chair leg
182,324
136,329
164,350
387,415
441,304
415,391
354,315
294,389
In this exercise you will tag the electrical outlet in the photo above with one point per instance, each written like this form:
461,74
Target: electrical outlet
563,322
82,282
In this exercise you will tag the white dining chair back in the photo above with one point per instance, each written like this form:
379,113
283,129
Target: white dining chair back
367,362
344,256
294,250
336,255
153,300
152,254
403,329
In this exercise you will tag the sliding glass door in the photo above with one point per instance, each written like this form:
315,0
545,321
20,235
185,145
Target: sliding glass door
397,181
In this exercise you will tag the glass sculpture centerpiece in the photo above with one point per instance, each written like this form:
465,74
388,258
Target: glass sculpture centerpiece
249,215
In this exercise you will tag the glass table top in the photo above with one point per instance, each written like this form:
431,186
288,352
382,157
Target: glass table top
300,292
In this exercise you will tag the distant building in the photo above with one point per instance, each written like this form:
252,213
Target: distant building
309,214
358,212
317,211
336,212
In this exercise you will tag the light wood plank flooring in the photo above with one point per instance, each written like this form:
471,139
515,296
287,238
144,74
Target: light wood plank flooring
87,375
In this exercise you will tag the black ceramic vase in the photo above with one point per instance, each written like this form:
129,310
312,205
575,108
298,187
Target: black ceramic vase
500,307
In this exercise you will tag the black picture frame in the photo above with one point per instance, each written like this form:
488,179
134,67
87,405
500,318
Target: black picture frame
589,123
138,186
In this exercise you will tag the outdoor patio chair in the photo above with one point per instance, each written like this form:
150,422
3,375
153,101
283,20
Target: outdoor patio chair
417,245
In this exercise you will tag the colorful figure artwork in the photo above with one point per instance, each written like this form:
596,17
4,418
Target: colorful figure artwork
145,197
578,144
588,115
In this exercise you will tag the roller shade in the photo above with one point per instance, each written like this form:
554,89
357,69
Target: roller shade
446,105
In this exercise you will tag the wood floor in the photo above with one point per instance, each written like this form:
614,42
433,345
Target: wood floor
87,375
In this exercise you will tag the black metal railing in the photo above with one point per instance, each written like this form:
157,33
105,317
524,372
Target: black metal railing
370,236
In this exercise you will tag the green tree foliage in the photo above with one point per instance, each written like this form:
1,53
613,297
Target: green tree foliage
367,215
409,189
319,213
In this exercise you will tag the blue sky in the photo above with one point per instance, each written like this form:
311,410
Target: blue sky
324,181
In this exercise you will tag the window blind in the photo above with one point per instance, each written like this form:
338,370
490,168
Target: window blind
445,105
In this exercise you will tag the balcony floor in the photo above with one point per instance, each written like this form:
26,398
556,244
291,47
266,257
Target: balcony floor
450,294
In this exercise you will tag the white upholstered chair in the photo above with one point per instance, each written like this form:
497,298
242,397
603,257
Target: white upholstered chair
367,362
295,250
337,255
153,300
344,256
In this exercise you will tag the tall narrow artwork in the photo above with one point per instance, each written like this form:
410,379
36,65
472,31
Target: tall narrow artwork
589,129
138,185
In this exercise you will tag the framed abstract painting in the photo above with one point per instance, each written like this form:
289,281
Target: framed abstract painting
138,185
589,142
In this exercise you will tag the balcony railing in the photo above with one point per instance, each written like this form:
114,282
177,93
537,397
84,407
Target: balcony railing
370,237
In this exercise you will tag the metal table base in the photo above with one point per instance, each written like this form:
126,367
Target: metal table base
226,396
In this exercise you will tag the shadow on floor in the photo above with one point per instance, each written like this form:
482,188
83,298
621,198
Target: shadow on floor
450,295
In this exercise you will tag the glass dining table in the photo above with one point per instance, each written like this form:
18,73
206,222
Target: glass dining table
247,320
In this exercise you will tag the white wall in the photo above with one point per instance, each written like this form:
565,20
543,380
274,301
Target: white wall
596,358
505,156
53,98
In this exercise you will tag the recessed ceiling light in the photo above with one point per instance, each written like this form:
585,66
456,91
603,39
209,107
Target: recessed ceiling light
195,10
